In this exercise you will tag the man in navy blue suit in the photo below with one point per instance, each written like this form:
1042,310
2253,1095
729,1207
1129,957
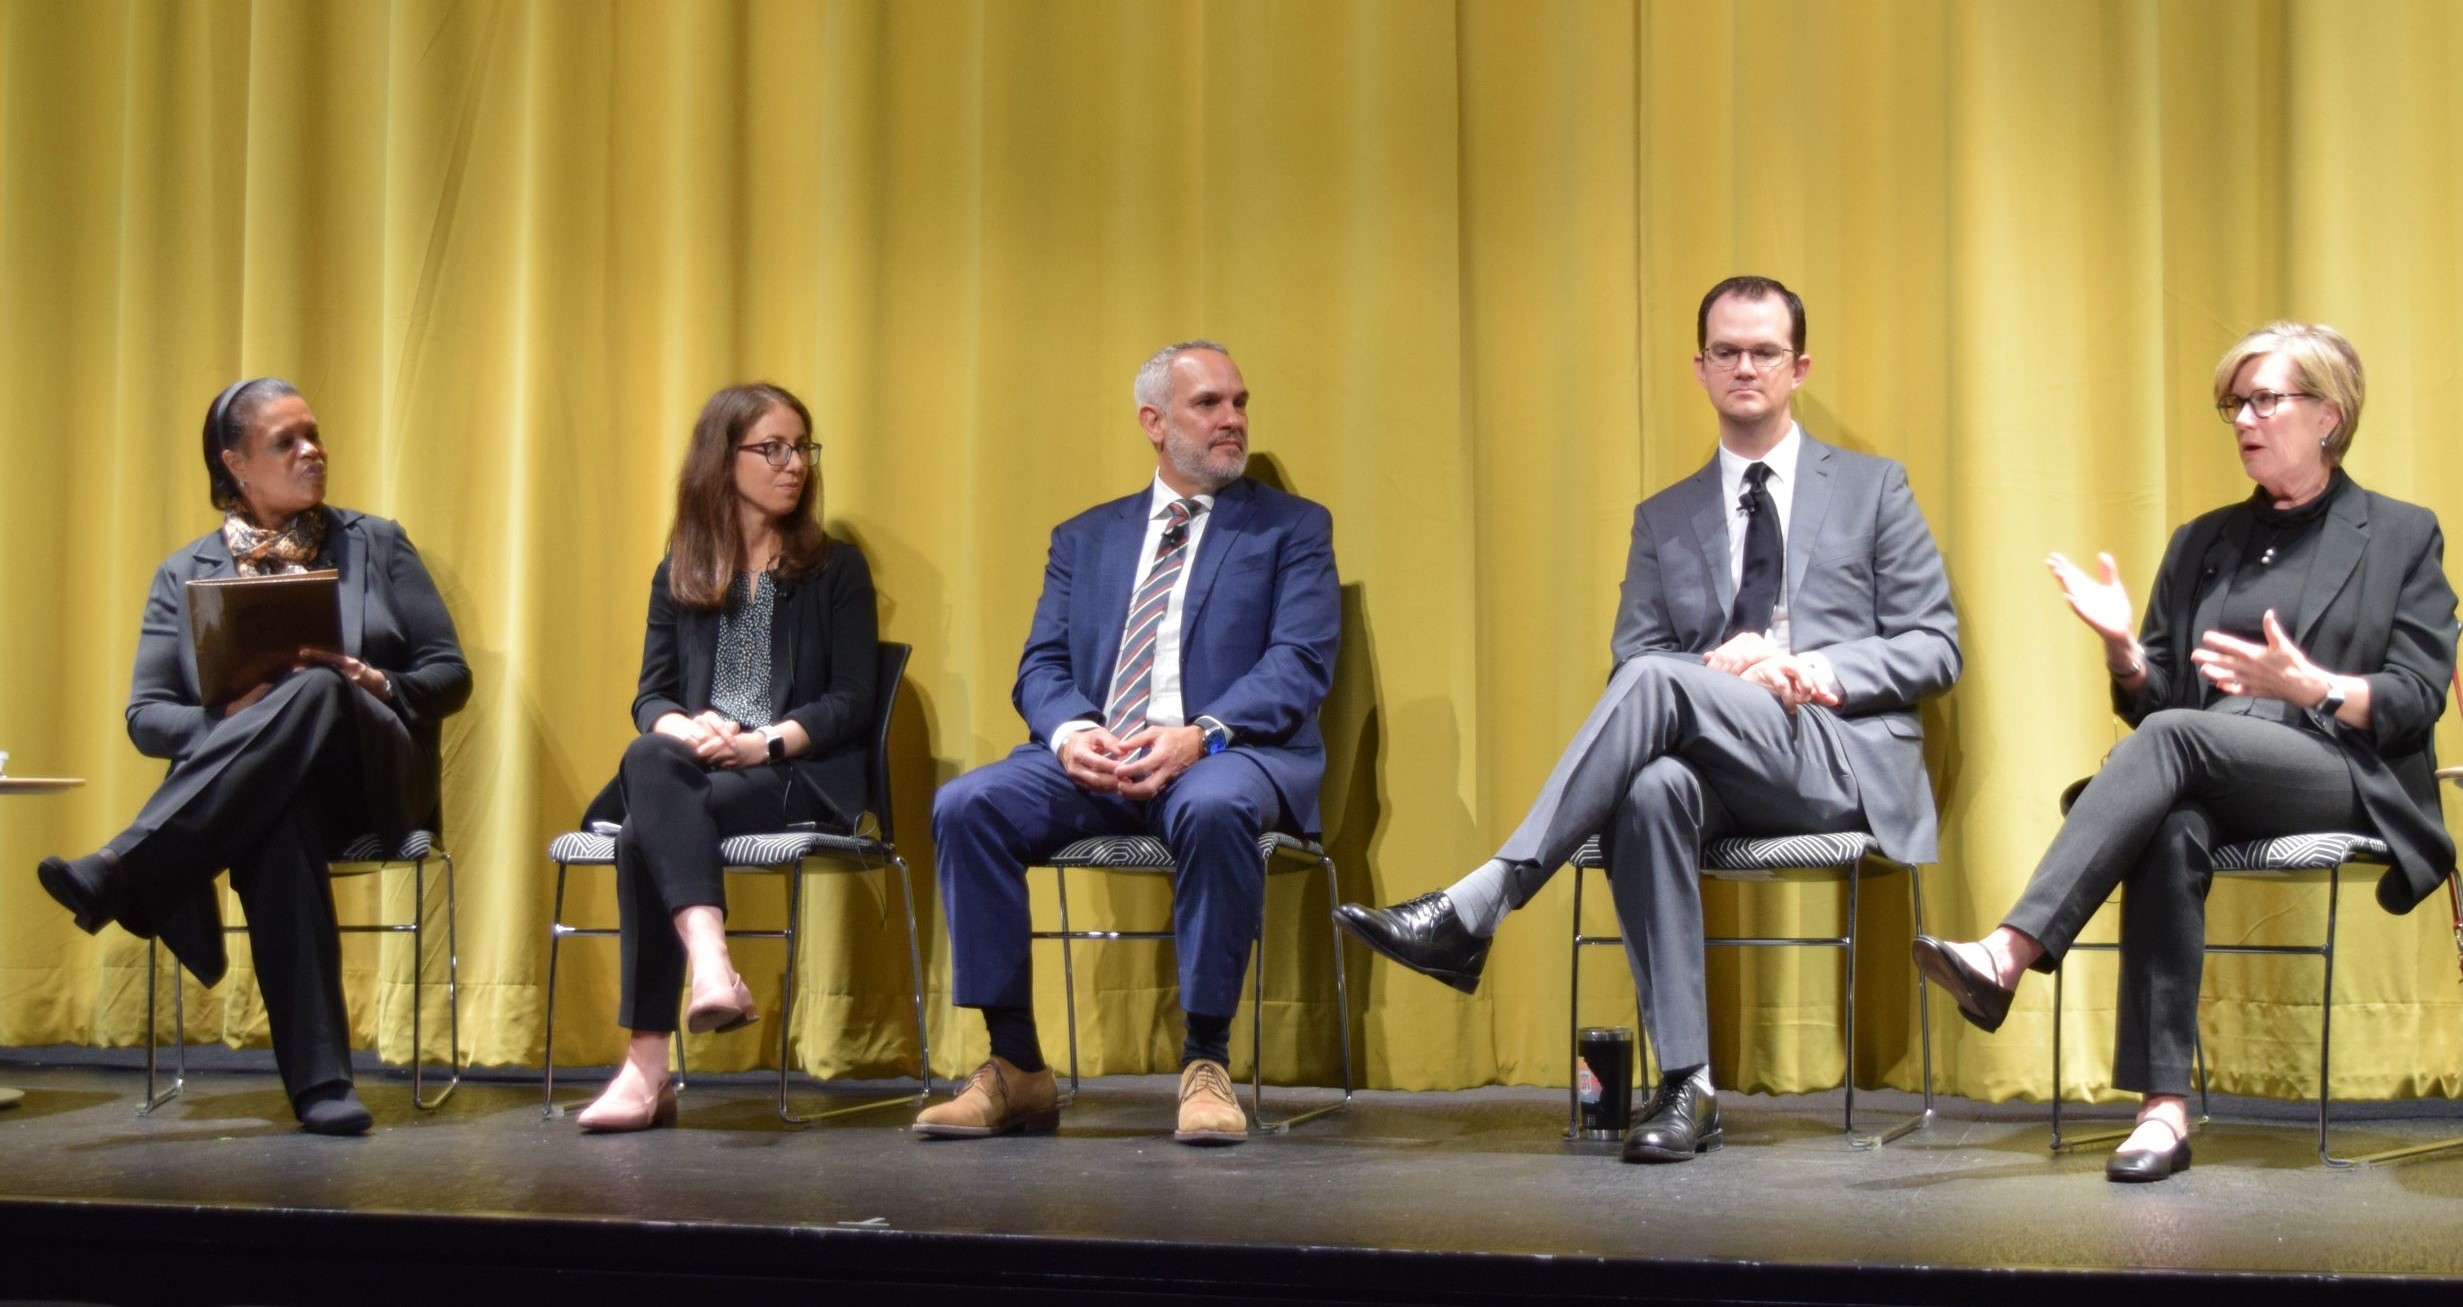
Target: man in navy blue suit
1184,641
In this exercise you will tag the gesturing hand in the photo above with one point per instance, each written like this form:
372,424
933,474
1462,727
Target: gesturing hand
2276,669
2103,604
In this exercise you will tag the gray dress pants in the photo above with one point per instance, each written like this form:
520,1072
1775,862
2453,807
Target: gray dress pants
2185,781
1674,755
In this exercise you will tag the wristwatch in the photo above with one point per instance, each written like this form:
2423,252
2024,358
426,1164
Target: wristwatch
2333,702
778,743
1218,736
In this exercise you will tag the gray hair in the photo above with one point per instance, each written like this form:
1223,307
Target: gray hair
1154,376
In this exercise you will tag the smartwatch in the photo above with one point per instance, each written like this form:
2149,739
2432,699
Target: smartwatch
2333,702
778,743
1218,736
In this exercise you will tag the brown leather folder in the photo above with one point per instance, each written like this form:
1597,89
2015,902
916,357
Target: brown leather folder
247,630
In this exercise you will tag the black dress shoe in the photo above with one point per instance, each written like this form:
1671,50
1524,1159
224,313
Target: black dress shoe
1423,934
2144,1165
1681,1119
1981,999
333,1109
86,887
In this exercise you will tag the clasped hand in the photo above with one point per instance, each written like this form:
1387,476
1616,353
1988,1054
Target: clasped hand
356,672
716,739
1756,658
1103,763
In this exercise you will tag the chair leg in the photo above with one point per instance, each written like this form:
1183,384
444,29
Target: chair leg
1924,1027
786,1005
786,989
179,1030
1573,1021
2326,1019
1257,1007
1847,1003
1069,979
419,974
453,987
555,945
915,974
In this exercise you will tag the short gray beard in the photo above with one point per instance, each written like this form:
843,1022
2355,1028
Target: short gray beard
1192,467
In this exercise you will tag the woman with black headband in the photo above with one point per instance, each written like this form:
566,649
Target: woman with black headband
272,781
756,692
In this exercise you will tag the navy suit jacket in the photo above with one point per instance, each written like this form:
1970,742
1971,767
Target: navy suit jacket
1258,629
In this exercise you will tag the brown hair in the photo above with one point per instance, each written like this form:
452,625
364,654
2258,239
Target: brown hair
704,543
1752,290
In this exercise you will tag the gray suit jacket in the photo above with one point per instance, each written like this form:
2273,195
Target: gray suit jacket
1865,589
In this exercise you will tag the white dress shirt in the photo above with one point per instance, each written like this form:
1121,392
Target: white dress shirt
1163,707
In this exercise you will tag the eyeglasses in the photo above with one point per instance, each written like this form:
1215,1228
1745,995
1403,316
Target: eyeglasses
1724,358
2263,403
778,453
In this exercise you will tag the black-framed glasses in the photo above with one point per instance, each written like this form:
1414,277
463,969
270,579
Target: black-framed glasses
1724,358
2261,402
778,453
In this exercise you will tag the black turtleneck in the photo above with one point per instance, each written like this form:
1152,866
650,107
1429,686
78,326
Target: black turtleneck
2282,545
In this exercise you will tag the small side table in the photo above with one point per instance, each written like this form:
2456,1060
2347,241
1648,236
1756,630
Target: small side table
31,785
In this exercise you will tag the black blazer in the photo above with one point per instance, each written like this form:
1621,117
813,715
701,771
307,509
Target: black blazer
2376,605
823,645
392,619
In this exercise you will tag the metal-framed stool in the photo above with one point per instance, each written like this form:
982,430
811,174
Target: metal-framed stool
793,854
1143,854
1782,859
365,856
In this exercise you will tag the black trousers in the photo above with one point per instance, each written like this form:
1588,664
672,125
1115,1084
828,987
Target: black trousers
676,812
267,794
2182,783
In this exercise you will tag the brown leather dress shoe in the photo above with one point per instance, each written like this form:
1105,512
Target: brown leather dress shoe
1209,1111
998,1099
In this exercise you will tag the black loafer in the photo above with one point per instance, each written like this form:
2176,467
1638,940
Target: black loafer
2147,1165
1680,1121
333,1109
1424,934
1981,999
86,887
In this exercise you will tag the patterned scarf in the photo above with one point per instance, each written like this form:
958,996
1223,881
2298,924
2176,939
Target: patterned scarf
259,552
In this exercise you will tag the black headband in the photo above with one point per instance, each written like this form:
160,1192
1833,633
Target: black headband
221,411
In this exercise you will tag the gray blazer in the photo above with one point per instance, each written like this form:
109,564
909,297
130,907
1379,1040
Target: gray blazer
1865,589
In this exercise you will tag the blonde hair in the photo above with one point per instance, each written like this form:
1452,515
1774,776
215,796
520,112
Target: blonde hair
2323,363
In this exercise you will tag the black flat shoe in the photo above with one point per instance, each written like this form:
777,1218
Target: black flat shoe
2147,1165
1981,999
86,887
333,1110
1424,934
1680,1122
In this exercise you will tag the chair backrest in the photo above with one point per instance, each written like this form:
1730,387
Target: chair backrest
889,668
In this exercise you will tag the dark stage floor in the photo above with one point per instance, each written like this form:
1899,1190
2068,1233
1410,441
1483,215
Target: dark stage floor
1407,1197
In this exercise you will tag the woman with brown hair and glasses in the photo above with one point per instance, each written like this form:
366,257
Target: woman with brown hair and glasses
756,692
2287,678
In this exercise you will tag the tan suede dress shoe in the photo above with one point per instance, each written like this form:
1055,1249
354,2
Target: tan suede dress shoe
998,1099
1209,1111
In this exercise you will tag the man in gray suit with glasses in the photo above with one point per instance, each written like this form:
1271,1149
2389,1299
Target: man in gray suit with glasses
1784,609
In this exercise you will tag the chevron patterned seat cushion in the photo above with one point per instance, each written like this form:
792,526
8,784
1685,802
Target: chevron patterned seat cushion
1760,857
1146,853
2289,853
368,848
598,847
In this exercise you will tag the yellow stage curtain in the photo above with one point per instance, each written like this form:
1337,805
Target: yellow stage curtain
508,248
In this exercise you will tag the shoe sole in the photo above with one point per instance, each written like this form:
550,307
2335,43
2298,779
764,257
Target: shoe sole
1038,1123
718,1021
1468,984
65,890
1943,970
1210,1138
1709,1143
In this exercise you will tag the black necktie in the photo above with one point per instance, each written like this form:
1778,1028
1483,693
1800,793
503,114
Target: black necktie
1758,592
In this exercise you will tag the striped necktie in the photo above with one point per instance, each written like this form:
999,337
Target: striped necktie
1133,677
